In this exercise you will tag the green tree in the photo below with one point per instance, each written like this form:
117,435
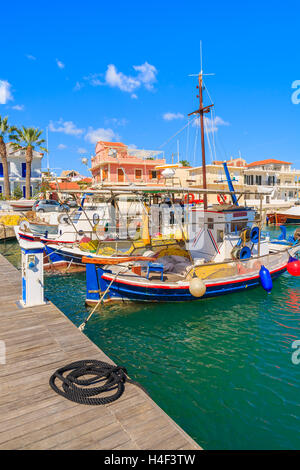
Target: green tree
17,192
28,139
5,131
184,163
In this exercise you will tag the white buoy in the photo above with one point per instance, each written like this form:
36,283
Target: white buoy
197,287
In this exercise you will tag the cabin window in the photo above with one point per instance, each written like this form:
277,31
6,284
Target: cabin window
238,225
210,223
138,174
220,236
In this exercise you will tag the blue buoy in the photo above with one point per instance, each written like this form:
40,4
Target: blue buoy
254,235
265,279
282,236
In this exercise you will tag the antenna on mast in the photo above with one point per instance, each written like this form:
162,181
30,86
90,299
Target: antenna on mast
201,57
47,143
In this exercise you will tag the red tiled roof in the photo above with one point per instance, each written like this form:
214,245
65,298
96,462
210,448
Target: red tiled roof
266,162
111,144
65,185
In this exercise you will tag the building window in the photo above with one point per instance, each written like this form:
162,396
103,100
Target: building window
258,180
0,189
24,191
1,170
153,174
23,170
249,180
138,174
121,175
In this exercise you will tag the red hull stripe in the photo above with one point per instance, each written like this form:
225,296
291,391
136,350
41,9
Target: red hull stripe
107,277
43,240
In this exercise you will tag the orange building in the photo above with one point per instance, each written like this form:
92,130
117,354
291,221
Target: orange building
115,163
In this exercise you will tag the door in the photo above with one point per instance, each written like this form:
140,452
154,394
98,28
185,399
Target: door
120,175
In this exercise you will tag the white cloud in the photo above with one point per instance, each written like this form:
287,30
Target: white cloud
211,124
5,92
132,146
172,116
117,79
61,146
66,127
18,107
146,77
30,57
60,64
82,151
94,135
147,74
134,96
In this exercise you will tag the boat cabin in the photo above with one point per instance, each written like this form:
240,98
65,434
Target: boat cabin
223,232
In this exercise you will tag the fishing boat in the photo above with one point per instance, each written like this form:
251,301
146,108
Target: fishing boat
70,228
290,216
22,204
225,252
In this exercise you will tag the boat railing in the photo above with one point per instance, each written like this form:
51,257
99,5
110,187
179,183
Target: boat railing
232,269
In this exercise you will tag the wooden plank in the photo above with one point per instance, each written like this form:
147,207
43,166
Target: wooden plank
41,339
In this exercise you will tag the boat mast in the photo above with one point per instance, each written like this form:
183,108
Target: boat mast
201,111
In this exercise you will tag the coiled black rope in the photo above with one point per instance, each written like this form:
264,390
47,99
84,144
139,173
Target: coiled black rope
73,388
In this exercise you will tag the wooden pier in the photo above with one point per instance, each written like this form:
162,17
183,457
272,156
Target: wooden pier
38,341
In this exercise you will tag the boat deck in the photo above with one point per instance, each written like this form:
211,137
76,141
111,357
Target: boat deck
38,341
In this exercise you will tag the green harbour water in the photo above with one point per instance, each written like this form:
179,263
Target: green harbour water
221,368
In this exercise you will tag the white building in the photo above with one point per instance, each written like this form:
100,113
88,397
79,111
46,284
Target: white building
276,177
17,170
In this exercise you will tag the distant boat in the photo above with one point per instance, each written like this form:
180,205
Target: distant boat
22,204
290,216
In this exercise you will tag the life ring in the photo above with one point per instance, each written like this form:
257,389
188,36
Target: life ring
221,199
63,219
191,198
96,218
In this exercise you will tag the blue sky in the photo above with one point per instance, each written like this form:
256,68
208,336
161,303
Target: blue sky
119,71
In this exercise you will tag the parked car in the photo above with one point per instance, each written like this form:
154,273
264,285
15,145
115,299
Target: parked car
71,203
50,205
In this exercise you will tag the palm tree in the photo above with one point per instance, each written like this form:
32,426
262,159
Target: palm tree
5,130
28,138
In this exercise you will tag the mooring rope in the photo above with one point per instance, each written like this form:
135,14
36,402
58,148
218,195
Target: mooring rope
111,378
121,271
